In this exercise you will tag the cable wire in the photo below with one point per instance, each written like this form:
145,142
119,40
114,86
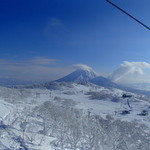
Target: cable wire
128,14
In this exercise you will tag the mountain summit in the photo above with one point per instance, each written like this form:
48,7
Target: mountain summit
83,73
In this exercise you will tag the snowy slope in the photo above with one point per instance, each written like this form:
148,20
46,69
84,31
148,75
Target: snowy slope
102,100
102,81
58,103
5,109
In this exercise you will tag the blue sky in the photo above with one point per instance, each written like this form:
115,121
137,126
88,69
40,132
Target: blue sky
63,33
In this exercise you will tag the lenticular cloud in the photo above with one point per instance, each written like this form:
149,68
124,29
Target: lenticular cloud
82,66
127,68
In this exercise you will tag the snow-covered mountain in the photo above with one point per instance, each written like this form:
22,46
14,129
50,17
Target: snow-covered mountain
85,74
105,82
80,75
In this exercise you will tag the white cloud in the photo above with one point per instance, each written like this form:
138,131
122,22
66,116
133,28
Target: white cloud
127,69
53,25
82,66
55,22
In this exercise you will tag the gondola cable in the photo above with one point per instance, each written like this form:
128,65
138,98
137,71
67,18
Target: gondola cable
127,14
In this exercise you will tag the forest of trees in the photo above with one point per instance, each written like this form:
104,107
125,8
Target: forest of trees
75,129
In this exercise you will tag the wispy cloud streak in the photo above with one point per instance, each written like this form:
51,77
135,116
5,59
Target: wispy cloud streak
33,61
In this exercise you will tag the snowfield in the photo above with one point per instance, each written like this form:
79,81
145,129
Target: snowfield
5,109
72,116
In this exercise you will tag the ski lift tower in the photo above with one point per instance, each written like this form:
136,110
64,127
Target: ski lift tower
126,97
